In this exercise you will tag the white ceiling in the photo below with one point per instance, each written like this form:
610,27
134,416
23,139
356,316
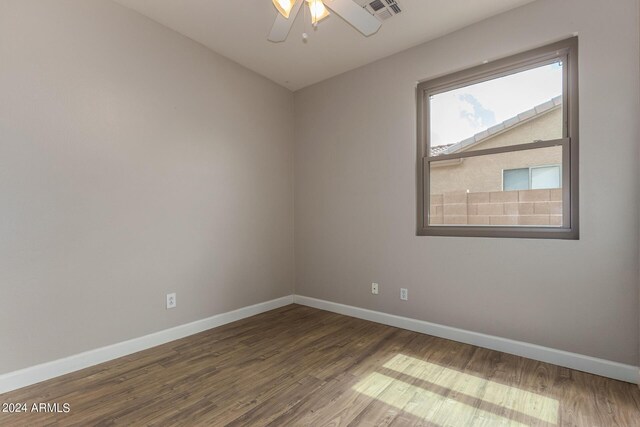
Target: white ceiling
238,30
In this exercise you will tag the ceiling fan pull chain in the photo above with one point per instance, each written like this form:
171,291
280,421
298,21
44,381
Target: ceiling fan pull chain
315,23
305,35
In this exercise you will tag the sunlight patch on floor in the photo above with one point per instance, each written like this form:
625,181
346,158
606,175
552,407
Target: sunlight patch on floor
426,405
513,398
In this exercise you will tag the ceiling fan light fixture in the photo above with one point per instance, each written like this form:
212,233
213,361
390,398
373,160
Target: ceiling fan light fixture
284,7
348,10
318,10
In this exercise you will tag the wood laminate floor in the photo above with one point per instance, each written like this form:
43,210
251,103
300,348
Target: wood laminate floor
306,367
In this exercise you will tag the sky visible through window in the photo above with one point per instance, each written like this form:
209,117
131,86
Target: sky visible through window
459,114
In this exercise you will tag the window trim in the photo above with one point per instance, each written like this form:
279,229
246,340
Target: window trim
567,51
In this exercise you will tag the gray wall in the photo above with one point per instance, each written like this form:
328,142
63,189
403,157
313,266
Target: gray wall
133,162
355,201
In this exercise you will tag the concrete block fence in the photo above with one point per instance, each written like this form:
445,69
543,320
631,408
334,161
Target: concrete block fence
524,207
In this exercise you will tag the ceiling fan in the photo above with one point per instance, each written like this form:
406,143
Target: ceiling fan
351,12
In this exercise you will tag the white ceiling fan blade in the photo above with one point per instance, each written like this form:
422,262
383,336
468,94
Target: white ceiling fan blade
282,25
355,15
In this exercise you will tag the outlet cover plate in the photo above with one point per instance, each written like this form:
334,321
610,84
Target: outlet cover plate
171,300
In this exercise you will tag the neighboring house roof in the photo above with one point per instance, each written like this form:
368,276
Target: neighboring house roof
440,149
508,124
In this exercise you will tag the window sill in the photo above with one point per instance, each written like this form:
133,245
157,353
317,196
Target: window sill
501,232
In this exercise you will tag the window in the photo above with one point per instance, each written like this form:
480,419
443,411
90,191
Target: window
498,148
533,178
543,177
516,179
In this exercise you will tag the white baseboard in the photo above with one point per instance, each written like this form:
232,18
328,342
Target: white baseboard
35,374
45,371
605,368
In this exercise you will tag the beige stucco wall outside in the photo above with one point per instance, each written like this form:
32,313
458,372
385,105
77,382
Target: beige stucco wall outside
484,173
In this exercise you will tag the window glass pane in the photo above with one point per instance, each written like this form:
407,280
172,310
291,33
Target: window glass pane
514,109
545,177
469,191
515,179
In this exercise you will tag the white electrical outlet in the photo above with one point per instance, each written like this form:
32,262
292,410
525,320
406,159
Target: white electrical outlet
374,288
171,300
404,294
